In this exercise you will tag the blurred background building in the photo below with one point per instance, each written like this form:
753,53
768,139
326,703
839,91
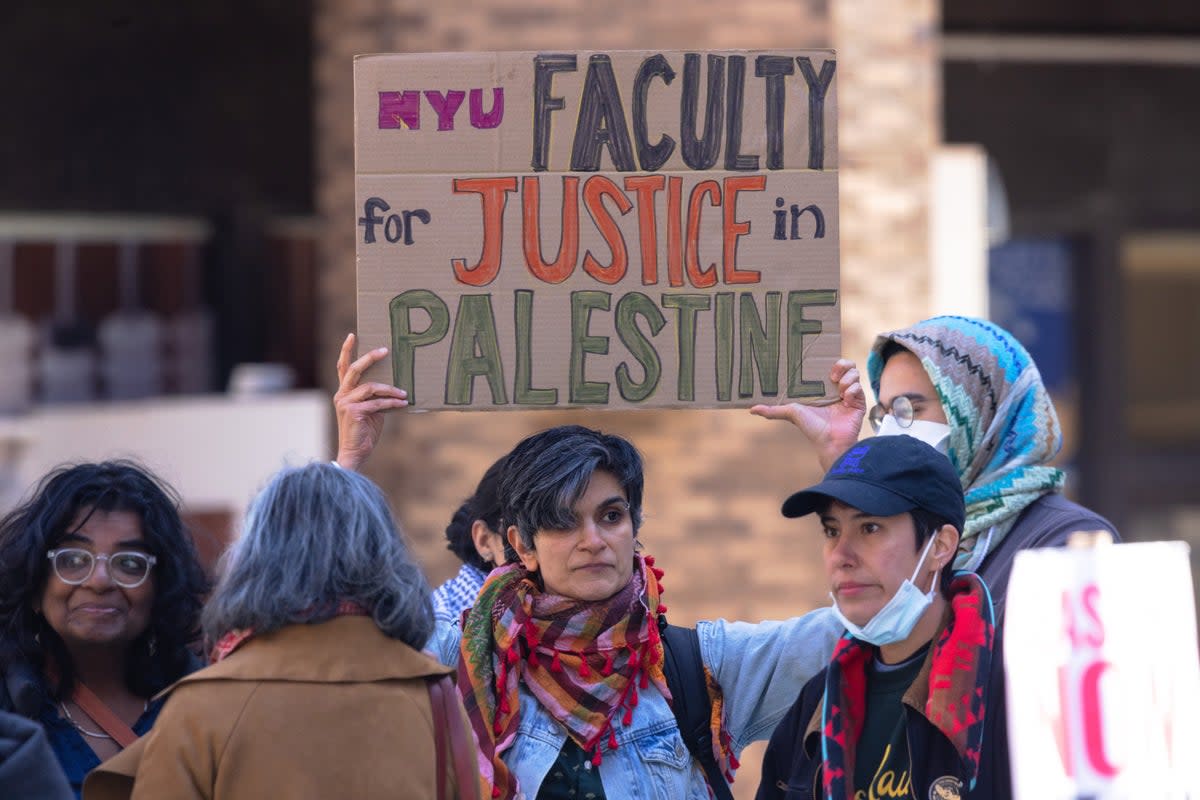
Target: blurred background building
177,219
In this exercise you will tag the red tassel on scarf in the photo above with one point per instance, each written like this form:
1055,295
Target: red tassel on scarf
612,739
504,707
584,672
644,680
733,762
608,666
533,659
496,792
597,758
662,609
555,664
649,560
627,720
633,658
531,634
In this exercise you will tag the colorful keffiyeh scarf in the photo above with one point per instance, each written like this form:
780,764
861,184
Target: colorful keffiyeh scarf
1003,427
959,672
584,662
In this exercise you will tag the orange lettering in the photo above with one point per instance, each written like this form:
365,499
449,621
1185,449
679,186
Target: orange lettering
561,268
595,190
646,187
733,229
700,278
674,231
494,196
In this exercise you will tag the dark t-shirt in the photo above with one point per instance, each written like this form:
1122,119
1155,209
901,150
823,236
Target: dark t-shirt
881,768
572,776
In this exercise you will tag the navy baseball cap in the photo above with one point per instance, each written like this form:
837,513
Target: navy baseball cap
884,476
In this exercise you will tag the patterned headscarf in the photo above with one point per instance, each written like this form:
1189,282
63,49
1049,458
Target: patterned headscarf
1003,427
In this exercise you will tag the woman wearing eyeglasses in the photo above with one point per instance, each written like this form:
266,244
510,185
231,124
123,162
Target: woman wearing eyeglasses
969,389
100,594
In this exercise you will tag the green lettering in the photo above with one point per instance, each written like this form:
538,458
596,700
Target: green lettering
758,344
798,328
688,305
629,308
724,343
523,393
474,351
582,304
405,340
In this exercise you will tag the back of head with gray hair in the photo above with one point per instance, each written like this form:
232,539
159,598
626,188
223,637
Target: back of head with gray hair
314,537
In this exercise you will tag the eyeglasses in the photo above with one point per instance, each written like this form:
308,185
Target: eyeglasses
902,410
128,569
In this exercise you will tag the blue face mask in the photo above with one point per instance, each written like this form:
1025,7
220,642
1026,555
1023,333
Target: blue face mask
895,621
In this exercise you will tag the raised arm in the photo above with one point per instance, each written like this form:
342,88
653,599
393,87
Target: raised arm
360,406
832,429
761,667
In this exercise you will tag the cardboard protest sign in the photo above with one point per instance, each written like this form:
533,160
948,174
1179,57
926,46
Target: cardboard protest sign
1103,677
624,229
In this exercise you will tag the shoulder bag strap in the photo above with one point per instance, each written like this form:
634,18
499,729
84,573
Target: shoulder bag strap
684,670
104,716
448,725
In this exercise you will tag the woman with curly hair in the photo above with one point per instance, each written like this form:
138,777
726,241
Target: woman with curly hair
100,595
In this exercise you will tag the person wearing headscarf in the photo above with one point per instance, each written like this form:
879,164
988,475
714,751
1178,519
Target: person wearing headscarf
967,387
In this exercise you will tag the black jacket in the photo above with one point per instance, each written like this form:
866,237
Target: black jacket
28,767
792,765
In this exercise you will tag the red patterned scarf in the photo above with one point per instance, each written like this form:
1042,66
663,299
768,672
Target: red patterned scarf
584,662
961,665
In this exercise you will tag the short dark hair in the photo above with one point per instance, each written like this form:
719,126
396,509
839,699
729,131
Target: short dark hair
548,472
484,505
890,348
160,656
925,523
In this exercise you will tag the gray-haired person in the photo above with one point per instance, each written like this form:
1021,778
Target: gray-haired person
317,687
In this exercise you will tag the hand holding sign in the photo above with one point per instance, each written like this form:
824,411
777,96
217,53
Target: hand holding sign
832,426
360,406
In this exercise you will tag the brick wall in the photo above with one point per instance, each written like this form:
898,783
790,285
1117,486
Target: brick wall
715,478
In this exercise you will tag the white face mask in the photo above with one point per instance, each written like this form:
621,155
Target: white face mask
934,434
895,621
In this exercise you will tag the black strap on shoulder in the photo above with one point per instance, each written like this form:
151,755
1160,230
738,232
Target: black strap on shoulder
684,670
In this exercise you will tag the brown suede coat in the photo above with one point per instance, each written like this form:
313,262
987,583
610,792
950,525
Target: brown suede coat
311,711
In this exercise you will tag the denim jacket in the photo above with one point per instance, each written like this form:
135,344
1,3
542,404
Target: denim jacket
761,668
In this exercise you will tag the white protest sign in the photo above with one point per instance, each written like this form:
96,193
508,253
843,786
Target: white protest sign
1103,673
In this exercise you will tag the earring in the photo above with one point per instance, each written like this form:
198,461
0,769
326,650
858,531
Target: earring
152,645
637,545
